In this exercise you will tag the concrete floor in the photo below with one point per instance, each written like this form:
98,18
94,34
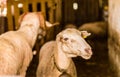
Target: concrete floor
97,66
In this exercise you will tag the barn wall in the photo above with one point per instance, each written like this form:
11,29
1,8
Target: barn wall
88,11
114,35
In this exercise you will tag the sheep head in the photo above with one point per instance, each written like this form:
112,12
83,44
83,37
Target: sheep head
73,43
33,18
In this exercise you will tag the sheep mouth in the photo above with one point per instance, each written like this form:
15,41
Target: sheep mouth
72,54
86,56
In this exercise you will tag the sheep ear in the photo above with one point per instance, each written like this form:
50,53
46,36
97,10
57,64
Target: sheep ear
85,34
21,17
59,37
42,20
48,24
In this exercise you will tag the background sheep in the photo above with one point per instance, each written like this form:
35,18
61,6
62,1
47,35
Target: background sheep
55,56
70,26
16,46
97,29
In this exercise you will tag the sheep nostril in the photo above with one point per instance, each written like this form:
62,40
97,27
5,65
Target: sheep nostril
88,50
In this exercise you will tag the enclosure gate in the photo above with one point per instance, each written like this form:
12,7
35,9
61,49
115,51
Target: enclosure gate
16,7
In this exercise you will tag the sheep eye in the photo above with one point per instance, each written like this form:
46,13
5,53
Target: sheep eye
65,39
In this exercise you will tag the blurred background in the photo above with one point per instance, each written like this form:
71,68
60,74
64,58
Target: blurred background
90,15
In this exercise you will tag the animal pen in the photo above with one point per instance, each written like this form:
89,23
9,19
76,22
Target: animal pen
54,13
50,9
16,7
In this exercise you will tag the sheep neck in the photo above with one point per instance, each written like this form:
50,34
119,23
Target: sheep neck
62,62
29,32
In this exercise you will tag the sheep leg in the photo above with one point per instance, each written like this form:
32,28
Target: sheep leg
26,62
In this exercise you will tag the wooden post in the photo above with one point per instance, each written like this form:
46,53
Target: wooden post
16,15
58,10
43,7
9,15
34,6
25,8
25,5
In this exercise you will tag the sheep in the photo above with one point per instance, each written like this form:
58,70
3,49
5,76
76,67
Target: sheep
97,29
55,56
48,35
70,26
52,31
16,46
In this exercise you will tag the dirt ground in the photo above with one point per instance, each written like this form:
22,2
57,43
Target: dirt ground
97,66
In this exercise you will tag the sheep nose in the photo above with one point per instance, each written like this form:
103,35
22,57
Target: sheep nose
88,51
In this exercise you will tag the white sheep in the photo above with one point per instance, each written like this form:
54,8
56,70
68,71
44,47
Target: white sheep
55,56
97,29
16,46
